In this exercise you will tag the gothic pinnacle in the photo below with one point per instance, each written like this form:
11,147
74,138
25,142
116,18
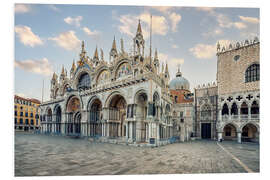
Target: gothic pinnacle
139,28
114,44
96,54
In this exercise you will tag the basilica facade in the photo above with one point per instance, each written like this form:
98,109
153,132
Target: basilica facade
130,99
123,100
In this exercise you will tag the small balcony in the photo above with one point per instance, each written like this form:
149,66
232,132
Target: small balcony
242,117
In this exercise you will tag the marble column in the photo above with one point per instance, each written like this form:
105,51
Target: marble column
126,130
219,136
239,135
249,112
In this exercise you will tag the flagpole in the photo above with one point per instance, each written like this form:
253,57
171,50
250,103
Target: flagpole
42,90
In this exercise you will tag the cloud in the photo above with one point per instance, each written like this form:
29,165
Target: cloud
213,33
175,19
73,21
54,8
42,66
175,46
163,9
172,61
250,19
89,32
67,40
129,24
22,8
206,9
27,37
203,51
240,25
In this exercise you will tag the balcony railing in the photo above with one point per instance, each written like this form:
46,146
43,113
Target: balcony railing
241,117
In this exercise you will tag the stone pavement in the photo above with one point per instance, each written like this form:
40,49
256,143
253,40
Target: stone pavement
42,155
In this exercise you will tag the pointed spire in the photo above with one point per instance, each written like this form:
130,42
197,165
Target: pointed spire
63,70
166,69
139,28
162,68
156,54
96,54
54,76
114,43
73,66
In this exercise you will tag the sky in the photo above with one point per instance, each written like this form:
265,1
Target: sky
49,36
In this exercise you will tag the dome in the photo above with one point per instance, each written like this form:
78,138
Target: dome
179,82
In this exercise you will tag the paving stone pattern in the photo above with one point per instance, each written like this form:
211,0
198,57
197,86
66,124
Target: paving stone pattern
42,155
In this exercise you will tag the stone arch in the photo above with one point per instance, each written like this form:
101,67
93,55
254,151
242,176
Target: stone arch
81,72
91,100
64,88
250,122
99,71
109,97
221,128
120,63
250,132
58,117
141,99
68,99
230,131
117,106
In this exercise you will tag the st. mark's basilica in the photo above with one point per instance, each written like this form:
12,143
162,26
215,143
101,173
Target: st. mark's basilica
130,99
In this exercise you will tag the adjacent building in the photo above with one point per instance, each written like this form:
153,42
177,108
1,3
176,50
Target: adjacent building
238,80
26,114
206,104
183,107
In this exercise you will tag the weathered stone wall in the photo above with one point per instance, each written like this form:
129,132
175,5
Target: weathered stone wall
231,73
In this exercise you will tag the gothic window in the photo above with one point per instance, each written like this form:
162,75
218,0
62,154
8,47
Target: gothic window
244,108
84,81
252,73
225,109
254,108
124,70
234,109
206,111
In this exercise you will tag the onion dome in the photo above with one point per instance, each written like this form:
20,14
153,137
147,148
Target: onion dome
179,82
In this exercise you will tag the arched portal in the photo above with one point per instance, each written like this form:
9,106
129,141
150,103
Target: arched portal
95,116
58,116
249,133
141,127
49,120
229,132
73,124
117,115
